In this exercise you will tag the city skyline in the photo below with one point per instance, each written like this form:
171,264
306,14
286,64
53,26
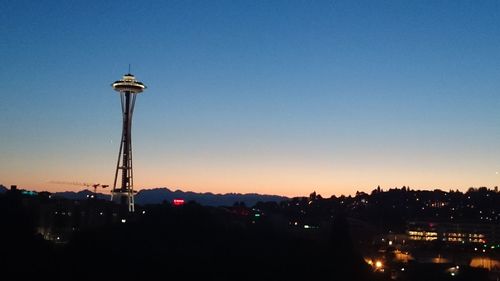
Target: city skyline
281,97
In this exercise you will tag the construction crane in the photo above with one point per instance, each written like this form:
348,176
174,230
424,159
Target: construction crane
94,185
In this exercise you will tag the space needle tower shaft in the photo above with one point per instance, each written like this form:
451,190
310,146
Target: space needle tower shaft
128,88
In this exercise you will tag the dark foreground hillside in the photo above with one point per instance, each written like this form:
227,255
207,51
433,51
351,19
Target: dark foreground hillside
184,243
208,244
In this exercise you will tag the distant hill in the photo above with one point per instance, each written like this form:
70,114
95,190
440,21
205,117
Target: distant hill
159,195
80,195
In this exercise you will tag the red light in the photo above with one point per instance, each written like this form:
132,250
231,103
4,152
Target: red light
178,202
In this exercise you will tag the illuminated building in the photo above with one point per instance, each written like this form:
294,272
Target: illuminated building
454,232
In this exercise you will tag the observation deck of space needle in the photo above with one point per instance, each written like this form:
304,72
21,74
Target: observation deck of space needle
128,88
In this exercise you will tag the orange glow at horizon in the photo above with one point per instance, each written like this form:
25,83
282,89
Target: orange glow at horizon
286,181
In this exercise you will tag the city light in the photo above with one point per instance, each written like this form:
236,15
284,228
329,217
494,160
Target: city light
178,202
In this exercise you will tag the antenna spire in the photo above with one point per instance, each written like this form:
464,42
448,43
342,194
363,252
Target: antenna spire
129,68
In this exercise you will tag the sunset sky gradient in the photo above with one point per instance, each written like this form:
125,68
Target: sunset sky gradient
277,97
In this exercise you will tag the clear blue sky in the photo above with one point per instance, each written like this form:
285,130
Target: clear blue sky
281,97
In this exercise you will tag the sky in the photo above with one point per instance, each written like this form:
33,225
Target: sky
277,97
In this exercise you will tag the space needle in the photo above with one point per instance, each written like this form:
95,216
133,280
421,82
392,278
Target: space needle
128,88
